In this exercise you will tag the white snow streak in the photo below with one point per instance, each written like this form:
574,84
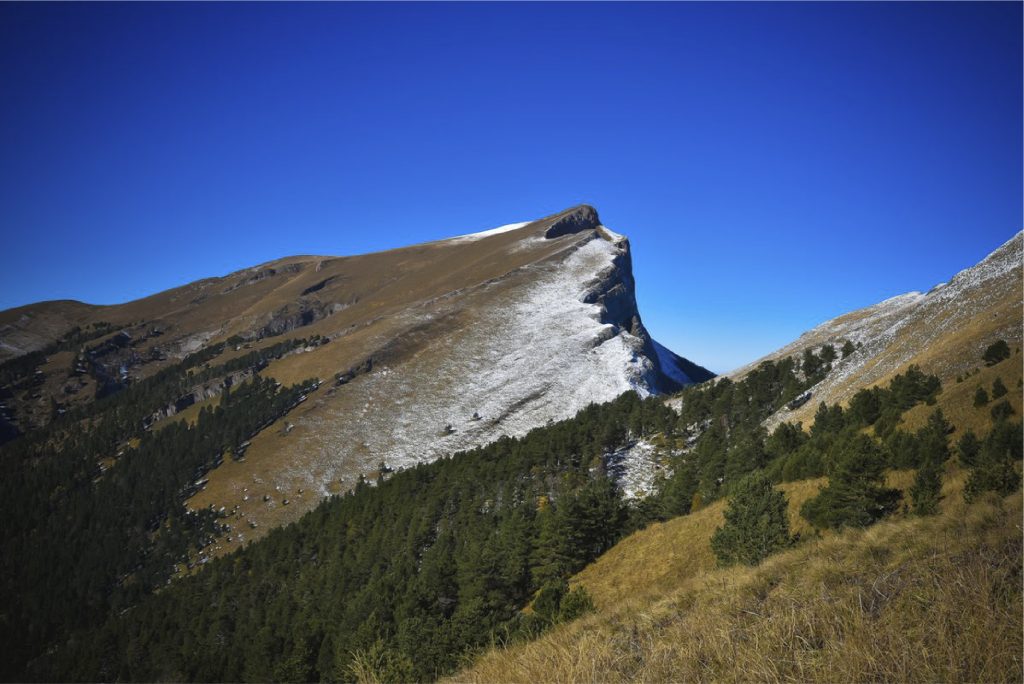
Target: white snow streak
536,354
487,233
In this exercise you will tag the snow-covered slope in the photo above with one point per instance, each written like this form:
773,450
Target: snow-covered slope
944,330
536,352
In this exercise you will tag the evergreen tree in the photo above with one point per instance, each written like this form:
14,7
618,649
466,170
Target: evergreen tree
980,397
967,449
995,465
811,365
866,406
574,603
996,352
925,493
676,493
932,439
747,454
1002,411
848,348
756,523
998,388
991,474
856,495
828,353
549,598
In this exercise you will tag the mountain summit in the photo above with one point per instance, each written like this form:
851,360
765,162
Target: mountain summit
421,352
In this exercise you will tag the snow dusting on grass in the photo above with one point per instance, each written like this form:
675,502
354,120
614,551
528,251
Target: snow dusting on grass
535,353
908,328
635,468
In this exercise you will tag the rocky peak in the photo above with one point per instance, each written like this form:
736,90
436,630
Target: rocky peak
575,220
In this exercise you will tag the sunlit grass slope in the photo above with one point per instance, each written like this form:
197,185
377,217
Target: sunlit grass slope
910,599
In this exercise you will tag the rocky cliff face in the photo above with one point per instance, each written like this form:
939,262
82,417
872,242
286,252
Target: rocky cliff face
457,343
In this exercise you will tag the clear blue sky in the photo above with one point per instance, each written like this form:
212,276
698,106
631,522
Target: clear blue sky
773,164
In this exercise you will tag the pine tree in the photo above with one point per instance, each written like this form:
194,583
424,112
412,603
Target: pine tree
932,440
848,348
998,388
994,467
811,364
991,474
756,523
1002,411
996,352
856,495
967,449
980,397
926,490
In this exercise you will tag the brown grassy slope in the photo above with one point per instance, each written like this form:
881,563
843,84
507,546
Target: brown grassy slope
945,332
27,328
957,398
910,599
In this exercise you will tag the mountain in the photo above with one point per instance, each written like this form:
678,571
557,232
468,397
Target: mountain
944,331
118,564
421,352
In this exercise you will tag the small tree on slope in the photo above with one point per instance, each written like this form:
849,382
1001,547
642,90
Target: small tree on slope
856,495
756,524
926,492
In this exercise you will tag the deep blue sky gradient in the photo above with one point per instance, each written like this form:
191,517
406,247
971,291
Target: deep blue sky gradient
774,165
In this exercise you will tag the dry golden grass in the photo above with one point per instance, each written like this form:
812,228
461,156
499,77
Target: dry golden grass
910,599
957,398
664,555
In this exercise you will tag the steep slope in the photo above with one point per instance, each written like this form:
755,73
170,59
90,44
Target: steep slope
944,331
423,351
930,599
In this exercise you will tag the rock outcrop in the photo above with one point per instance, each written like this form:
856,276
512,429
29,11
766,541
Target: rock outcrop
578,219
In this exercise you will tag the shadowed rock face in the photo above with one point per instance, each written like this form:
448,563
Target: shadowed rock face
471,338
583,217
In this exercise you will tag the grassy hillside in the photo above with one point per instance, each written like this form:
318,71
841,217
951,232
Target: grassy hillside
944,332
910,599
957,398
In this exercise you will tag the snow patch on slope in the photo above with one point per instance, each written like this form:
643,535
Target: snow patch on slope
469,237
635,468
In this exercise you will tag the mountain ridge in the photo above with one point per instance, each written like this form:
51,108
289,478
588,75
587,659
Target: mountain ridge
944,331
422,351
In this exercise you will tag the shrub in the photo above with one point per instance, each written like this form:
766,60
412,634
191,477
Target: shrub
575,603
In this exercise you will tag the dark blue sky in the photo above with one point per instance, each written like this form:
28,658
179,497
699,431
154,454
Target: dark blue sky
773,164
